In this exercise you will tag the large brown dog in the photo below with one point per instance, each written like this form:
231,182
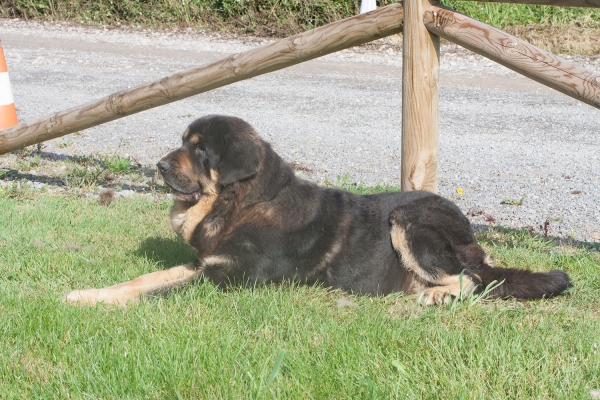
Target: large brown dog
251,220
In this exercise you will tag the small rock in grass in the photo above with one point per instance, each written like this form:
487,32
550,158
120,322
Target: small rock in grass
341,303
106,197
73,247
595,394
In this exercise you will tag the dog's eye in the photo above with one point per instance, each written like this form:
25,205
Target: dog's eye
200,150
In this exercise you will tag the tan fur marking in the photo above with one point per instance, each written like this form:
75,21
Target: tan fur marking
216,260
131,291
185,163
214,175
489,260
449,287
401,245
194,139
178,216
195,215
198,211
186,133
334,250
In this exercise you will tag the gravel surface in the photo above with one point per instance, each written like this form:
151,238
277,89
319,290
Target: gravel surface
502,136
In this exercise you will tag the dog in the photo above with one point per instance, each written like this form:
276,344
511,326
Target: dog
252,221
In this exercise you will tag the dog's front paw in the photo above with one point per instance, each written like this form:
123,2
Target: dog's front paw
110,295
435,296
83,297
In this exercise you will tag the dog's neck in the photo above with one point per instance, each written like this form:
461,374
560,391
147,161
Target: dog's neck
273,175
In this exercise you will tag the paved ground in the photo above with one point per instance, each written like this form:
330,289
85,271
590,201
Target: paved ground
502,136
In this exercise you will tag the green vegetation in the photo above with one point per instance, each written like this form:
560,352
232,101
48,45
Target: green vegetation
118,165
272,341
557,29
513,202
501,15
269,17
27,163
344,182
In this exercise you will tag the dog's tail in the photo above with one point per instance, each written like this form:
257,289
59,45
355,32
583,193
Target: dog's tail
520,283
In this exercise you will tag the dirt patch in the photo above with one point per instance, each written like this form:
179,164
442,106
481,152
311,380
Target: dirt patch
568,39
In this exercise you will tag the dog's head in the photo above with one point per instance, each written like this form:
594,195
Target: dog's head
216,151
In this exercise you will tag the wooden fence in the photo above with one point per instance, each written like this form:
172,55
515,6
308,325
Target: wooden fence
423,23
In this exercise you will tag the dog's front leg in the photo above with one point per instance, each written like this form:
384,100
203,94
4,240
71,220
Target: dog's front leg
132,291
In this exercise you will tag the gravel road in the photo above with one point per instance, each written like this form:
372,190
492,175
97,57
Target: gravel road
502,136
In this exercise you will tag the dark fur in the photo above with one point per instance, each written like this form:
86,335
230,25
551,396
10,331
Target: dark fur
267,225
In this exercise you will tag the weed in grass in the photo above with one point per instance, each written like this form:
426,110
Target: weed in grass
513,202
84,177
65,144
544,227
118,165
26,158
17,191
29,163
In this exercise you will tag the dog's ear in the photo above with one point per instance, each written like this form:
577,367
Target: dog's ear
239,160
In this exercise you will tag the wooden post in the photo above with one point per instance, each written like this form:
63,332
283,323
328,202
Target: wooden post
516,54
420,69
318,42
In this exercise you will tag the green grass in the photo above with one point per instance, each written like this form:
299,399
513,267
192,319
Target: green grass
269,17
281,341
345,182
501,15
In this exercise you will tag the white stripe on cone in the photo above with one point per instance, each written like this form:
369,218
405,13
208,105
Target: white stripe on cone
5,90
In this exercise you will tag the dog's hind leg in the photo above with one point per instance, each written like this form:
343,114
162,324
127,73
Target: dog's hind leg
132,291
426,250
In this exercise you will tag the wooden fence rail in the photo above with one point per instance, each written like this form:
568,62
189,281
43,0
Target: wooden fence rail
272,57
518,55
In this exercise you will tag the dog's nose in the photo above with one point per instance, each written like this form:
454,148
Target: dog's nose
163,166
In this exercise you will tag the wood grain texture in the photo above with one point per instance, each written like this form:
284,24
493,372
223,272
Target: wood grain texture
564,3
420,72
318,42
516,54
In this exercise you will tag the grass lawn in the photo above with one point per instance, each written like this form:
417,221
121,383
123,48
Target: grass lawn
283,341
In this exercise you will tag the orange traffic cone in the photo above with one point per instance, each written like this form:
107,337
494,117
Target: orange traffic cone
8,113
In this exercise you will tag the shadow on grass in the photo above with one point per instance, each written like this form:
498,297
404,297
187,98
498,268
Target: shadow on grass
166,252
14,174
512,237
170,252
